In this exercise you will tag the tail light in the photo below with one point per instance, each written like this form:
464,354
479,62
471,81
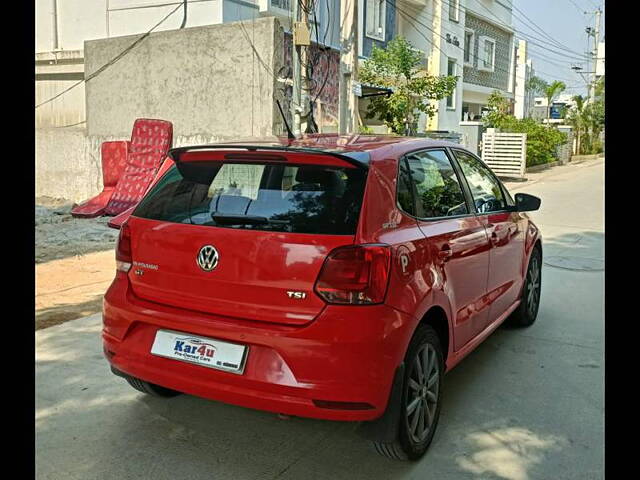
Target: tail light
123,249
355,275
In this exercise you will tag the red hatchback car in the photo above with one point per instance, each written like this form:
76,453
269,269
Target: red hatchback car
330,277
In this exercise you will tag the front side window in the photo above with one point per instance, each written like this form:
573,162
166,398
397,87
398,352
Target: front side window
435,185
485,188
375,21
293,198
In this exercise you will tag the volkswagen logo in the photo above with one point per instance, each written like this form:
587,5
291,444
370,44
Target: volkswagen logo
207,258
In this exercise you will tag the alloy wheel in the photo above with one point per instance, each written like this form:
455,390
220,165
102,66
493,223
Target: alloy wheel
423,393
533,287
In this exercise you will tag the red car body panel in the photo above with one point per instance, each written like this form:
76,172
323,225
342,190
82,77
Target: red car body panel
306,351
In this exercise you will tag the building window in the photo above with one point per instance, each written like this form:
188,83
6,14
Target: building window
376,13
468,47
454,10
486,54
451,71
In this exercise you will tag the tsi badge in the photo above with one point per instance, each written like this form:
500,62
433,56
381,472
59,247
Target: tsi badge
297,295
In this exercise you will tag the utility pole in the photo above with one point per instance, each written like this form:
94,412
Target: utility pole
300,58
596,41
348,111
595,33
54,15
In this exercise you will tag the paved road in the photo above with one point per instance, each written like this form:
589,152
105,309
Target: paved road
527,404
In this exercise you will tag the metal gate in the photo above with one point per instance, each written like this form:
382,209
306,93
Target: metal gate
505,153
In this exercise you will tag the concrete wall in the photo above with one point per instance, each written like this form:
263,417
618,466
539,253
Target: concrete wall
206,80
67,163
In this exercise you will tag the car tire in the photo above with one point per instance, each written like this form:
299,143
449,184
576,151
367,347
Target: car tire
421,396
527,311
151,388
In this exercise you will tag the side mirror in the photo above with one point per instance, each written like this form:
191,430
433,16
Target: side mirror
526,202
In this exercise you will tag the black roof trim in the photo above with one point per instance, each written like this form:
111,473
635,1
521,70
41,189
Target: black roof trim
356,158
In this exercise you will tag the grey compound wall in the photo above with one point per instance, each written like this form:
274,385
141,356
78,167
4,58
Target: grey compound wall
207,80
499,78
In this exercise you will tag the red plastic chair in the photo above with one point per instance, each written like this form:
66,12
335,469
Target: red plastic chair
117,221
114,161
150,141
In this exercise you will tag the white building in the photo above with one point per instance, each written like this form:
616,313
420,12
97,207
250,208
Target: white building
523,97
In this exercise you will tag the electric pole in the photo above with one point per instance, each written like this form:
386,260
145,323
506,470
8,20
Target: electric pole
348,109
300,57
596,42
595,32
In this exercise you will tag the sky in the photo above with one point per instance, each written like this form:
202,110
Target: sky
564,22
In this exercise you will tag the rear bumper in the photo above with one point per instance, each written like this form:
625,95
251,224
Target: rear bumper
347,354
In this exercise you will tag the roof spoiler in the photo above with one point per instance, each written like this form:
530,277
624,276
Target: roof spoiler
358,159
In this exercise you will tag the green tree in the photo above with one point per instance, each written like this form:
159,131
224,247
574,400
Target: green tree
587,120
554,89
397,67
499,110
536,85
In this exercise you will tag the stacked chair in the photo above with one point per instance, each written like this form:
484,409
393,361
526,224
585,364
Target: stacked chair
129,168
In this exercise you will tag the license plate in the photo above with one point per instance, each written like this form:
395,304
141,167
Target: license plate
204,351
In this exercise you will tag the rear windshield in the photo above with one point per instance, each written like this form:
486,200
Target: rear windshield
282,198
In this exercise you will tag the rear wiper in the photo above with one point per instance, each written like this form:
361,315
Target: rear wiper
239,219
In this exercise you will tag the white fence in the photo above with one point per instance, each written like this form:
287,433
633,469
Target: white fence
505,153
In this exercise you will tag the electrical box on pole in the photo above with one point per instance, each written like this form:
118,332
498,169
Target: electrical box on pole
301,34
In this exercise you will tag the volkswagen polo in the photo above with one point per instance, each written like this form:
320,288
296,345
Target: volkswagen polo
332,277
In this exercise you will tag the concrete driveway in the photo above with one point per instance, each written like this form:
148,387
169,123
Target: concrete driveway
527,404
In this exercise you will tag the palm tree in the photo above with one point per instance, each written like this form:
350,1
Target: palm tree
551,92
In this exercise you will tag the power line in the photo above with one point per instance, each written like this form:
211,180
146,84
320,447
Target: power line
532,39
580,9
555,43
406,17
113,60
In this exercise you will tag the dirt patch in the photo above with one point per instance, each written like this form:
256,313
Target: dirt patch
59,235
72,287
75,262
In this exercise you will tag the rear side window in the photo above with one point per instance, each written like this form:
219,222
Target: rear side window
284,198
435,185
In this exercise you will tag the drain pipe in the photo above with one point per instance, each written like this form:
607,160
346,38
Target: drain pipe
54,15
184,19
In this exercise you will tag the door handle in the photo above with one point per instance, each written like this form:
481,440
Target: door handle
445,252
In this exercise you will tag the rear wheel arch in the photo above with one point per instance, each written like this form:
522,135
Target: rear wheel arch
437,318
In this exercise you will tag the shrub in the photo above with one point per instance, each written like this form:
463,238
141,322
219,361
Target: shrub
542,141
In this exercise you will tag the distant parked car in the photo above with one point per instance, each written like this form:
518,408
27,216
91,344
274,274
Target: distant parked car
334,277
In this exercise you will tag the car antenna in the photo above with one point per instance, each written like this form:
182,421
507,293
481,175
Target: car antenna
284,119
